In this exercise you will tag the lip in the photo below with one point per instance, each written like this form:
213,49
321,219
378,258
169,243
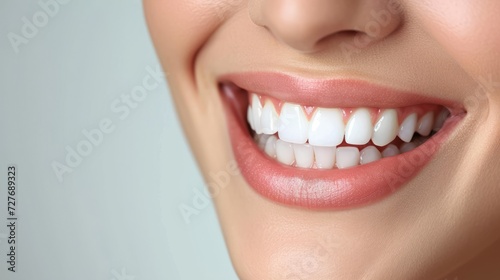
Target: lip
335,188
330,92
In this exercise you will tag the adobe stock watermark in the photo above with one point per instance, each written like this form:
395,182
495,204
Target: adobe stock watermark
407,167
31,26
201,198
372,29
122,275
121,108
486,85
417,159
309,264
222,8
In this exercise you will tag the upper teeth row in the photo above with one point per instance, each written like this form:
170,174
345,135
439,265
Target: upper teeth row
326,127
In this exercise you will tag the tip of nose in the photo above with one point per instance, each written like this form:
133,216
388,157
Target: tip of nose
310,26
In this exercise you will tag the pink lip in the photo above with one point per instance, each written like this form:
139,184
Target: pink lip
329,93
328,189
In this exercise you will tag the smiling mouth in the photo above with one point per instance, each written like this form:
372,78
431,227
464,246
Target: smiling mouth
331,144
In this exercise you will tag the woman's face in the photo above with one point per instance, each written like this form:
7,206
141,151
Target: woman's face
341,139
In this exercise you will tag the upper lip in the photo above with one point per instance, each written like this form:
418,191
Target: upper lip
336,92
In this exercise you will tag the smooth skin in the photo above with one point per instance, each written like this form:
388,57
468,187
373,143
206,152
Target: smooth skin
443,224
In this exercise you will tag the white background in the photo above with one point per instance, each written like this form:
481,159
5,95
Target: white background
115,216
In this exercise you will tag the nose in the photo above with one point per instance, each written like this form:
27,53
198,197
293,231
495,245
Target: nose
309,25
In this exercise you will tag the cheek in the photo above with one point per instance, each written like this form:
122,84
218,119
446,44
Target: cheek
180,27
468,30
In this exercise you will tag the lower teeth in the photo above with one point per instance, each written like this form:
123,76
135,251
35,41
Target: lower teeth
308,156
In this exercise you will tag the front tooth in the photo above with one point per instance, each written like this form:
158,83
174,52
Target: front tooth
257,113
391,150
304,155
408,128
347,157
359,128
425,124
370,154
284,152
386,128
270,147
326,128
250,117
269,120
440,119
325,157
294,126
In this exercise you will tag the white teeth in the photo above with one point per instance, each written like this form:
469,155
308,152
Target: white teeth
256,113
325,157
347,157
408,128
326,128
390,151
294,126
250,117
425,124
269,120
406,147
304,155
359,128
386,128
440,119
369,154
284,152
314,144
270,147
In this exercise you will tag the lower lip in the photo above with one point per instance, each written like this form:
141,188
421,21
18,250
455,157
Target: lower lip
328,189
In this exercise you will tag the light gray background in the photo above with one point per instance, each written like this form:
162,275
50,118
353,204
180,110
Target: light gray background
115,217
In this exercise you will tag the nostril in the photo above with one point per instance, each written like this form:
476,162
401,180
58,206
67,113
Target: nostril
350,32
346,34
